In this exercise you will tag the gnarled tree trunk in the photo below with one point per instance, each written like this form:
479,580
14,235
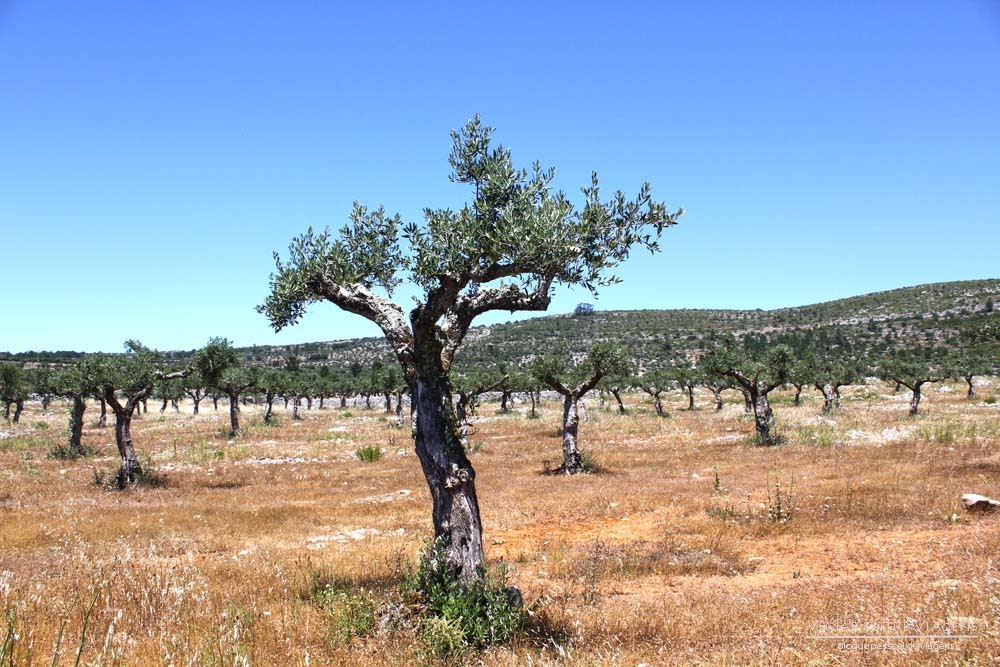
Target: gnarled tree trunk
690,393
617,393
505,400
102,421
828,403
763,417
130,471
449,473
234,416
717,395
915,399
76,425
972,391
268,406
18,409
572,459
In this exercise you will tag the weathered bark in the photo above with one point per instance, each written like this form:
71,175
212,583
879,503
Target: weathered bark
572,459
102,421
76,425
690,393
234,415
196,397
505,400
343,400
763,417
828,397
145,407
617,393
18,409
915,398
321,402
972,391
268,405
309,403
462,412
717,395
388,402
130,471
798,394
657,401
836,397
449,473
747,401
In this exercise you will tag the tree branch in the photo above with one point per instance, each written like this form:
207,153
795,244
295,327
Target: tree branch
506,297
389,317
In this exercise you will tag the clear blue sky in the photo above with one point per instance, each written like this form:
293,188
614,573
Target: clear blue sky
154,154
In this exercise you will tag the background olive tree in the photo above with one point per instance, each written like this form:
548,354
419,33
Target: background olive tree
573,381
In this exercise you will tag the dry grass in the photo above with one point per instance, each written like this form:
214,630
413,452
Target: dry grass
680,554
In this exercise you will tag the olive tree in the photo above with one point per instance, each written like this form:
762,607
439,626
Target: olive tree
194,386
504,250
169,392
757,373
687,379
40,382
222,370
717,385
913,371
828,374
616,384
572,382
74,383
272,382
124,381
656,381
13,389
968,365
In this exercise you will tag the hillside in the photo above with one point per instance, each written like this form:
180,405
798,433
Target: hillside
910,316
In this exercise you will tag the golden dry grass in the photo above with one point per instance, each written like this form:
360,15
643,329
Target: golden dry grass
680,553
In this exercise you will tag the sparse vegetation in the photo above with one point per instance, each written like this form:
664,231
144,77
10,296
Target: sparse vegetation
850,508
368,453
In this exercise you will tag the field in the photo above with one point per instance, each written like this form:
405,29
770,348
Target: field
690,546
